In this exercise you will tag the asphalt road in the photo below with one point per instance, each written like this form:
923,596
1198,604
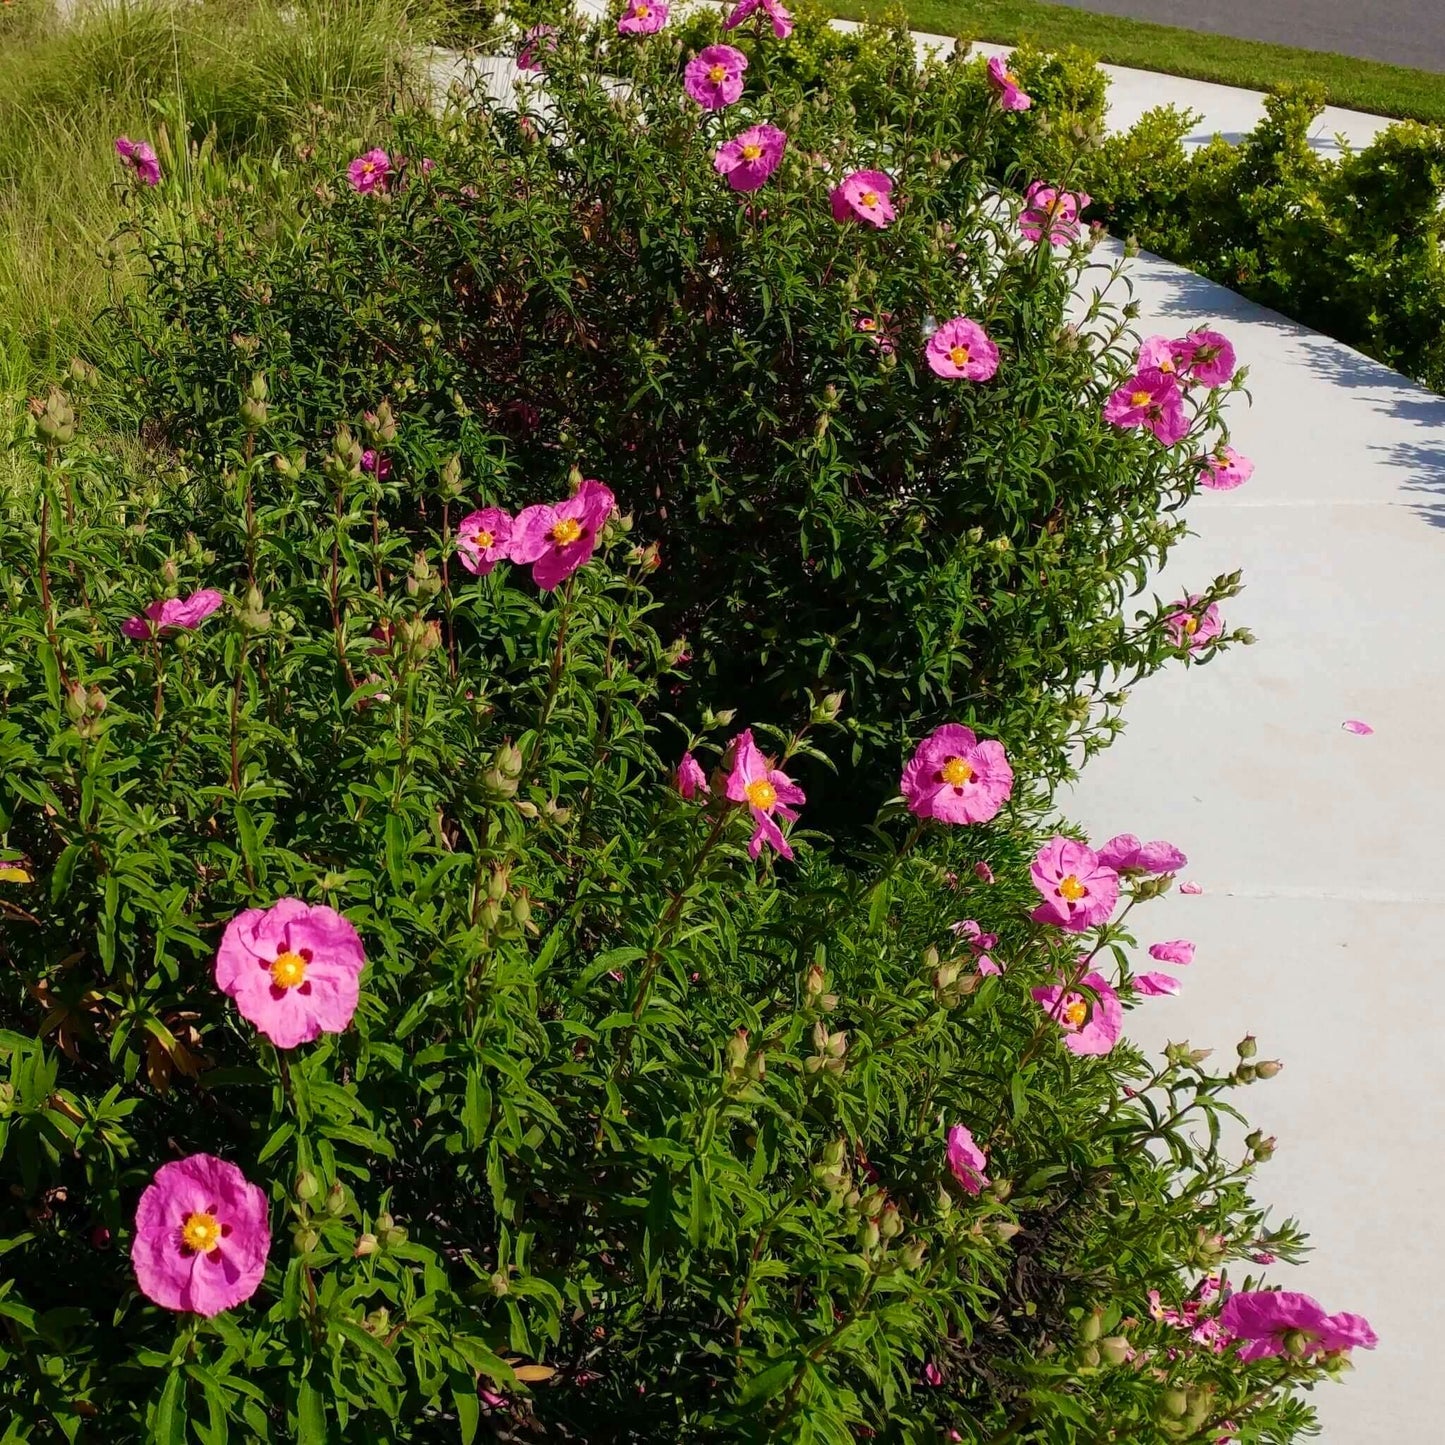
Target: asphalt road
1406,32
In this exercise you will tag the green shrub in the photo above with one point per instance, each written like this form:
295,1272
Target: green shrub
577,283
630,1138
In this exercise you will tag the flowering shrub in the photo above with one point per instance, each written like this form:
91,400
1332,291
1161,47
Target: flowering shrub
395,1046
833,369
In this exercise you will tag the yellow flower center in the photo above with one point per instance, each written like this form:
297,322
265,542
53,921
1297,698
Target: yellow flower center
1009,78
1139,398
201,1232
1191,626
642,11
761,794
567,530
367,167
956,772
289,970
483,540
717,74
869,199
958,355
867,324
1075,1013
1072,889
752,152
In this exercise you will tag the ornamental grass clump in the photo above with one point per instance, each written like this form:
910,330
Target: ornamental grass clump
819,322
409,1032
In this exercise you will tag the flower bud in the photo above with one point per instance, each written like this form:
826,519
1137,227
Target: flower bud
1088,1357
1268,1069
1002,1230
336,1198
253,616
1246,1047
307,1186
306,1239
450,482
54,418
1116,1350
890,1222
378,427
365,1245
1092,1327
912,1253
1175,1402
499,1284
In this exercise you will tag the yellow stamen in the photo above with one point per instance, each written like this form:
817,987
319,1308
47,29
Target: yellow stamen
1140,398
869,199
567,530
201,1232
1072,889
958,355
1191,626
289,970
752,152
642,11
1075,1013
761,793
956,772
717,74
483,540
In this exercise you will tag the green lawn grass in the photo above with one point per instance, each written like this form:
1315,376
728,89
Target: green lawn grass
1359,84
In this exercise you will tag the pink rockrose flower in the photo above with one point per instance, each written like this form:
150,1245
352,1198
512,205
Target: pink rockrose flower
173,615
643,17
558,539
691,780
714,77
1090,1025
535,41
484,538
379,466
780,18
1349,1332
969,930
138,158
1191,887
1005,84
1157,353
932,1375
1225,470
1124,853
293,970
1150,398
983,872
1176,950
202,1233
767,792
966,1161
1155,985
960,350
1360,729
1051,212
749,159
1204,357
370,172
1079,891
1191,629
864,196
876,327
955,778
1276,1322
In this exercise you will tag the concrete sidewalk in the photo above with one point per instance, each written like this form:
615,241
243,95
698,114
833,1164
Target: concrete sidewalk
1322,923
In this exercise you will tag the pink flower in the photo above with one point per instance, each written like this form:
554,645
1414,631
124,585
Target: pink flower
1224,470
961,349
381,466
484,538
1151,398
932,1375
1090,1025
714,77
1191,888
966,1160
369,172
138,157
749,159
691,780
1177,950
1126,854
1154,985
202,1234
1349,1332
1360,729
293,970
864,196
558,539
955,778
643,17
1005,84
534,41
877,328
1274,1322
1157,353
766,791
968,928
1205,357
1051,212
1190,629
983,872
1079,891
781,19
173,614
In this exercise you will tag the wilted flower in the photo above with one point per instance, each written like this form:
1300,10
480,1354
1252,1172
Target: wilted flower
534,41
966,1160
691,780
138,158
